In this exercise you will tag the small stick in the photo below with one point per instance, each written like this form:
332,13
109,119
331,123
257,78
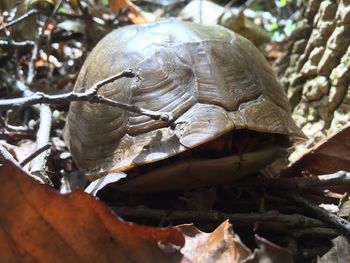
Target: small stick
16,43
89,95
332,219
164,116
38,164
35,154
335,179
31,65
128,73
39,97
20,18
214,216
315,232
13,128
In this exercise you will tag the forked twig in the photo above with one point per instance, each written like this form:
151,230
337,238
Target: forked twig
19,19
89,95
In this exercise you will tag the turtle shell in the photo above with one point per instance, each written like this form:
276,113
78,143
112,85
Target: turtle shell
212,80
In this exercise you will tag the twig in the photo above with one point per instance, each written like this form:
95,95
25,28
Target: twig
89,95
335,179
16,44
214,216
38,38
91,30
38,165
128,73
164,116
42,138
13,128
31,65
332,219
35,154
316,232
20,18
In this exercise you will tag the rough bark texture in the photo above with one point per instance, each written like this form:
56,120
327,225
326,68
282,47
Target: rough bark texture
315,70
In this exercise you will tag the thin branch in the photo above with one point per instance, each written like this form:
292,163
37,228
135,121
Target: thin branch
16,44
36,48
35,154
128,73
13,128
214,216
332,219
31,65
38,165
19,19
315,232
164,116
89,95
300,183
91,29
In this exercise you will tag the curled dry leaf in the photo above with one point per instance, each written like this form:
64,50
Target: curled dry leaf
39,225
223,245
328,156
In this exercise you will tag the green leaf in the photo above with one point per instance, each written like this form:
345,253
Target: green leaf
283,3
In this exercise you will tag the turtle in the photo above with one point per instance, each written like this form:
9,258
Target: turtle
231,116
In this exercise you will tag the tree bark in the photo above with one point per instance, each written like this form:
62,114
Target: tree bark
315,69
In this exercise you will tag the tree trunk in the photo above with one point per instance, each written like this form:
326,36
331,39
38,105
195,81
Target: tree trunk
315,70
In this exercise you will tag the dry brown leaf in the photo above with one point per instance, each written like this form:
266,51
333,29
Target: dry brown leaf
39,225
328,156
340,252
135,13
223,245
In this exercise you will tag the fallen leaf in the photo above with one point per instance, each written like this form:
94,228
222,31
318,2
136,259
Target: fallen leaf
340,252
223,245
135,14
328,156
95,186
39,225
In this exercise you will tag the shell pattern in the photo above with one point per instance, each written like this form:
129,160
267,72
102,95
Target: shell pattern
212,80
